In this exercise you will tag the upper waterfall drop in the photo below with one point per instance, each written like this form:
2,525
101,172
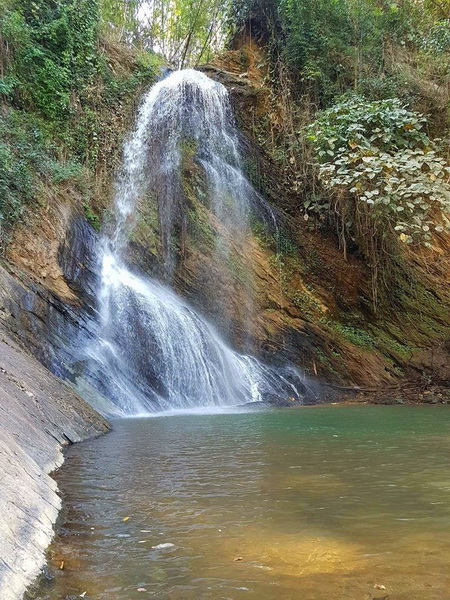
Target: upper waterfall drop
154,352
187,107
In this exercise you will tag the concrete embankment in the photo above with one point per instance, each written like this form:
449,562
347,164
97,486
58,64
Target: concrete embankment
39,414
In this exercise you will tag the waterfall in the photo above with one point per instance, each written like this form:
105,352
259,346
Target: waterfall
155,352
186,108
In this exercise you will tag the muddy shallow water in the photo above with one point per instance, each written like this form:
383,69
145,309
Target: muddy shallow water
325,503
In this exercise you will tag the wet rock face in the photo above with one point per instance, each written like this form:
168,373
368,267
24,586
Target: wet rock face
57,331
38,415
79,261
54,331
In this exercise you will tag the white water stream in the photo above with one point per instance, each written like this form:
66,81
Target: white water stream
157,353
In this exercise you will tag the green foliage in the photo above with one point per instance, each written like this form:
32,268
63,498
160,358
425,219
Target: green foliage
27,158
24,153
15,187
119,15
384,88
377,155
65,171
91,216
199,226
54,50
330,45
185,32
316,33
306,301
354,335
437,40
440,9
356,123
61,97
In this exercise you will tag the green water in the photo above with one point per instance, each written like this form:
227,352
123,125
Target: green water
312,503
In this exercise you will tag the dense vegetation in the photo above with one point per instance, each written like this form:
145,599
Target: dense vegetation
383,174
329,46
185,32
360,117
59,91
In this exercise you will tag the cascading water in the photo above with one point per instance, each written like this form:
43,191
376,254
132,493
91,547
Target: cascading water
186,108
154,351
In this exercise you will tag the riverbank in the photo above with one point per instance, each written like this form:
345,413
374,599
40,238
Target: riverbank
39,416
409,392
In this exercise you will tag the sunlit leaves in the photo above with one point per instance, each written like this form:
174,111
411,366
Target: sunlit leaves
377,154
185,32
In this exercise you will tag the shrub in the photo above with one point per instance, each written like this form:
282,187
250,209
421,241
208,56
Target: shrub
22,152
53,50
437,40
59,97
60,172
26,156
378,156
384,176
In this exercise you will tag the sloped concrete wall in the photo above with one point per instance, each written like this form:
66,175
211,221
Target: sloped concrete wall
39,414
